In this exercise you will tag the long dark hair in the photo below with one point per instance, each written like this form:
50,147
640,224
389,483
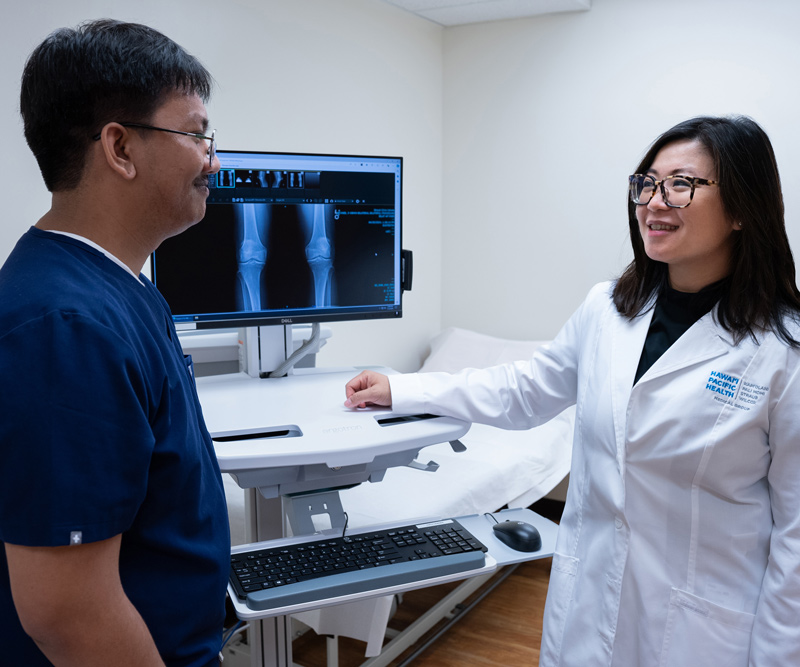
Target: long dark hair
78,80
761,290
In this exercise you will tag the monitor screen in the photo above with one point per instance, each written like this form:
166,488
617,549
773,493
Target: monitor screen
288,238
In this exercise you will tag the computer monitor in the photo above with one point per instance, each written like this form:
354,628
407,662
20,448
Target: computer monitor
289,238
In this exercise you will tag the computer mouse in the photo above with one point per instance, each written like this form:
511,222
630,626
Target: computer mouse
518,535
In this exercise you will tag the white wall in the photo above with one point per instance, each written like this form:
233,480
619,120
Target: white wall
546,117
351,76
524,129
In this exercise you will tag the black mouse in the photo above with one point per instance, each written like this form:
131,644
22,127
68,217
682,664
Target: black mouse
518,535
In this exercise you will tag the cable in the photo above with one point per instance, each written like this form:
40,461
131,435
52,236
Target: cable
240,627
306,348
231,632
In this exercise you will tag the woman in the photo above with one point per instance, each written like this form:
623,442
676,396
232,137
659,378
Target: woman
680,539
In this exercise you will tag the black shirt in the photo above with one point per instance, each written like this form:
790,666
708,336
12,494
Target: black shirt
674,313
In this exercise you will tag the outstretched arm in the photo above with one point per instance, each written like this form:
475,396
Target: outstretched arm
368,388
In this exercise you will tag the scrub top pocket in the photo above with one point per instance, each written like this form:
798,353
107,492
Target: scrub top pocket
703,634
187,359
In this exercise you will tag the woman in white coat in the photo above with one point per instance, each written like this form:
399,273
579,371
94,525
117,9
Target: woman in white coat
680,540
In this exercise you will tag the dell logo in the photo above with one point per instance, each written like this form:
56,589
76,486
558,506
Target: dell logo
286,320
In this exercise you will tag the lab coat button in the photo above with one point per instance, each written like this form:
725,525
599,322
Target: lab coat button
618,523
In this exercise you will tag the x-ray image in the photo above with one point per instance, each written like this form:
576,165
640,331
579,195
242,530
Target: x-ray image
303,270
250,257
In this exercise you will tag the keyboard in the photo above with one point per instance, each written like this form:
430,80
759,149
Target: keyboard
331,567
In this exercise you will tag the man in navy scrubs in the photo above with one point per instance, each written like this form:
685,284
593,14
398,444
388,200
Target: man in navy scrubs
114,543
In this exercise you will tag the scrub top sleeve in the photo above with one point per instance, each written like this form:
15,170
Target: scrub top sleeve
76,443
775,639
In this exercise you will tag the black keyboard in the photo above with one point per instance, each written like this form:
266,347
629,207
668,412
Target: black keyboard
332,567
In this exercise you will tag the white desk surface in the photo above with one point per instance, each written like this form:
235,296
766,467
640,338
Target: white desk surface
311,402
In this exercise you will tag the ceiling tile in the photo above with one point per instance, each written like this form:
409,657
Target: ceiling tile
460,12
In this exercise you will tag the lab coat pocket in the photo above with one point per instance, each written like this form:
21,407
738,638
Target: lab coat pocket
703,634
563,573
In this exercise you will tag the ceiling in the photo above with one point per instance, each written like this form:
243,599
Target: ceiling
460,12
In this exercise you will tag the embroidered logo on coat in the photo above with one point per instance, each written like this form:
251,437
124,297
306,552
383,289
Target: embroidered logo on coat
723,384
731,390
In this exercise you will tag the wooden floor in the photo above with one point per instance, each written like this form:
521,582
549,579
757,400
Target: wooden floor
505,628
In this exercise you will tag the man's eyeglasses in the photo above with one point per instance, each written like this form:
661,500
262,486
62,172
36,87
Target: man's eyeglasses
212,142
676,191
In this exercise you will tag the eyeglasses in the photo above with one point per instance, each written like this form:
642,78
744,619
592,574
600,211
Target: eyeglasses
677,191
212,142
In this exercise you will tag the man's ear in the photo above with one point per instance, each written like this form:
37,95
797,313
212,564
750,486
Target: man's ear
115,140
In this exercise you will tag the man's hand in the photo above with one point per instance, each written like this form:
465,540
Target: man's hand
368,388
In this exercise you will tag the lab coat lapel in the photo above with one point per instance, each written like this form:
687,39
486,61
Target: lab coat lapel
626,349
704,340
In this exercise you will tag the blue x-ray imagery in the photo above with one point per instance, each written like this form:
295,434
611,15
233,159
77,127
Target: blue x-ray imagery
310,224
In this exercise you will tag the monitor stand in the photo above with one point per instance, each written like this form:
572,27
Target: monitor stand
265,348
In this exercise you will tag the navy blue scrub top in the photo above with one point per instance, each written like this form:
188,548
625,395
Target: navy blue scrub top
102,434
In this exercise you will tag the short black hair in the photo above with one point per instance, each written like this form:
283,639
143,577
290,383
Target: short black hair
78,80
761,288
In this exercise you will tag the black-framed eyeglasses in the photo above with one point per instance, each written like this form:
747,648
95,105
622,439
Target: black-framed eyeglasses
212,141
677,191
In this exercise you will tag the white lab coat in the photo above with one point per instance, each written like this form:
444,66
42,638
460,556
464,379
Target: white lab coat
680,540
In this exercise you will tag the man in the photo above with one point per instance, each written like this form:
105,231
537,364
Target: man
112,512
